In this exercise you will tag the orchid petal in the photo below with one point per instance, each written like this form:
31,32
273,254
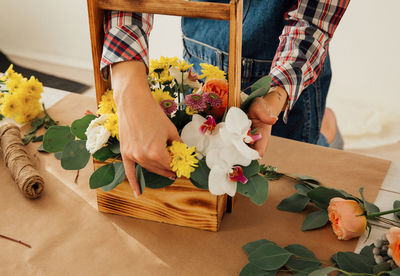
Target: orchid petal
237,121
219,182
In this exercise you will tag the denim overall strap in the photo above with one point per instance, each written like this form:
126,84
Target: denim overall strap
207,41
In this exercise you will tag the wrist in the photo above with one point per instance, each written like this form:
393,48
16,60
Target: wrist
276,99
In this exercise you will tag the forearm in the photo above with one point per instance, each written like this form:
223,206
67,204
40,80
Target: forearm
276,100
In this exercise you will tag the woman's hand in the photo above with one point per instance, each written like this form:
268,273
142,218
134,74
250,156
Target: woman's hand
144,129
263,113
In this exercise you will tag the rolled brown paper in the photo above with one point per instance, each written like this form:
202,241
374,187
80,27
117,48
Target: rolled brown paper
19,163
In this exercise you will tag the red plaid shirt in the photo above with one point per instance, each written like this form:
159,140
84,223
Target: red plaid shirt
298,60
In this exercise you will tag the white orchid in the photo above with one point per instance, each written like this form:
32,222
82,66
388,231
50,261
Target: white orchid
189,78
97,135
201,133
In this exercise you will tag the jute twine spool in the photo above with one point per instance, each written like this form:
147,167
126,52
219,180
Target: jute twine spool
17,160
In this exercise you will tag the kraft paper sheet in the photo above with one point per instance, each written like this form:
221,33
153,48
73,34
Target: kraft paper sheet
70,237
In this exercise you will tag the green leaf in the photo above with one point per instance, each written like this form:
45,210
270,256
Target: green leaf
396,205
103,154
58,155
381,267
302,259
35,125
251,246
199,177
75,156
395,272
78,127
140,177
352,262
302,189
41,149
270,172
102,176
253,270
252,169
56,138
307,179
323,195
323,271
27,138
119,176
368,254
256,188
155,181
368,206
38,138
264,82
294,203
315,220
269,257
115,147
1,117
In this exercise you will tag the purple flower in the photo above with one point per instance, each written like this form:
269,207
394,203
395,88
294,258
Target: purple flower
196,102
169,106
213,99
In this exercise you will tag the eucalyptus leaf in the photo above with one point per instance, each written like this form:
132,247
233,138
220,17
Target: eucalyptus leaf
27,138
38,138
352,262
294,203
307,179
41,149
140,177
103,154
323,271
302,259
252,169
256,188
269,257
199,177
381,267
396,205
115,147
58,155
315,220
395,272
302,189
251,246
56,138
253,270
367,252
78,127
264,82
369,207
119,176
155,181
270,172
75,156
102,176
323,195
260,92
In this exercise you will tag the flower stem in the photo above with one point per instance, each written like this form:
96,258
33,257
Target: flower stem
378,214
14,240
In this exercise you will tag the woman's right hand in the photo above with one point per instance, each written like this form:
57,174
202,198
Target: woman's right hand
144,129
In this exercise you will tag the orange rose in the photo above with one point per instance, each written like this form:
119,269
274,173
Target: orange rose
345,218
393,236
219,87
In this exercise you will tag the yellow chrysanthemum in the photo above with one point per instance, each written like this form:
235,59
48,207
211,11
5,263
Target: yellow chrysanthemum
11,106
183,66
10,71
34,87
190,111
211,72
184,159
107,104
165,77
112,125
13,84
2,98
159,95
164,63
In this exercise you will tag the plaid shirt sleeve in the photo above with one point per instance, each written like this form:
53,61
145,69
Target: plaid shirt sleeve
125,38
303,45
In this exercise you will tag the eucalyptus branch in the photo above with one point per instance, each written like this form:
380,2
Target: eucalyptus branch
16,241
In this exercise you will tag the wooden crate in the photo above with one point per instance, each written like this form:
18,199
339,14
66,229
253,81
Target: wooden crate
181,203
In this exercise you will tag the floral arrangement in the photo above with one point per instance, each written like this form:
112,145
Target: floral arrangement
20,102
216,152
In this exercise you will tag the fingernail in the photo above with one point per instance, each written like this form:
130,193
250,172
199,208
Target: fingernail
135,194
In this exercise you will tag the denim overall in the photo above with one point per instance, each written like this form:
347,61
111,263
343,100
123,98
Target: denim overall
207,41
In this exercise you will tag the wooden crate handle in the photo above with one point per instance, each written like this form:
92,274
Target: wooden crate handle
232,12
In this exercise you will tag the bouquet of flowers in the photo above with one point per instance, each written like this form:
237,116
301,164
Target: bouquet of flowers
215,153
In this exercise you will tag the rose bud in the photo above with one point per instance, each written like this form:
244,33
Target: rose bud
393,236
347,218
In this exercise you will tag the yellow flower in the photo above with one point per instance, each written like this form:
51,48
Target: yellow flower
107,104
112,125
183,66
10,71
184,159
34,87
211,72
190,111
159,95
11,106
164,63
13,84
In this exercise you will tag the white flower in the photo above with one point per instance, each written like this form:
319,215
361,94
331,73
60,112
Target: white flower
187,80
97,135
201,133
